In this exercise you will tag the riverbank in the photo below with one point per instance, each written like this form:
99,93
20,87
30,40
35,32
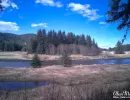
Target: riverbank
23,56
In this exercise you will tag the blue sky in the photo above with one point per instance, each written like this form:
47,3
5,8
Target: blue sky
77,16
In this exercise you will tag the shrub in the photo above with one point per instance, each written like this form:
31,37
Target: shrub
119,48
65,59
36,63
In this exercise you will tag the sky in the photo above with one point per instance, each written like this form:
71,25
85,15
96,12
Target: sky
77,16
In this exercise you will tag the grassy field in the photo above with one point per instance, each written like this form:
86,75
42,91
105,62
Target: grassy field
93,82
13,56
43,57
79,82
62,75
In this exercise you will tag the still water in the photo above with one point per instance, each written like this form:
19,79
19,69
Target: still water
24,64
15,86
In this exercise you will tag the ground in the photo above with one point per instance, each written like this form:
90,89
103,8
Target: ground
25,56
62,75
79,82
84,82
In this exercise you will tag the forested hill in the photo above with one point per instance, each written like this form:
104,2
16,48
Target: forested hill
20,39
26,37
13,42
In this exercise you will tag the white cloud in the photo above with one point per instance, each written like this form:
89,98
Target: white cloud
8,26
39,25
9,3
49,3
102,23
84,10
14,5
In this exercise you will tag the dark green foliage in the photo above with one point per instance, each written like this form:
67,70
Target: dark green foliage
9,46
1,7
88,41
10,37
33,45
37,44
44,42
120,11
119,48
82,40
13,42
53,38
65,59
60,37
126,47
36,63
41,38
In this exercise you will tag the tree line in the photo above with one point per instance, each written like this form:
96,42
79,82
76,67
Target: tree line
10,46
10,42
120,48
56,42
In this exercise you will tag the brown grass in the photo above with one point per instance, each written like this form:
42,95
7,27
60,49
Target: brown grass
43,57
93,82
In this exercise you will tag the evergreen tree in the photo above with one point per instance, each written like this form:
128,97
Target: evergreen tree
60,37
50,37
44,33
55,39
77,39
41,38
120,11
32,46
65,59
70,38
126,47
89,41
82,40
119,48
1,6
51,40
36,63
41,47
64,41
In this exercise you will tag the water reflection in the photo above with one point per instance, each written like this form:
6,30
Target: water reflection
36,83
15,86
101,61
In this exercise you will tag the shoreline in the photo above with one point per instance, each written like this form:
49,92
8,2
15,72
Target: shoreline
23,56
72,59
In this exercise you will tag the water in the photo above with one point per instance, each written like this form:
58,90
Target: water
15,86
102,61
25,64
15,64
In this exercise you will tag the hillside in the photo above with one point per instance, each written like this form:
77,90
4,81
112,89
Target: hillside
13,42
27,37
20,39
